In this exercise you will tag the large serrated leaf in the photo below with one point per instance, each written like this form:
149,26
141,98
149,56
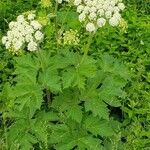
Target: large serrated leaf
97,107
98,127
50,79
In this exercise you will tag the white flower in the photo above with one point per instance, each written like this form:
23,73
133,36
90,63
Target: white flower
86,9
110,8
121,6
7,45
77,2
108,14
94,3
94,9
20,18
89,3
29,29
100,12
101,22
112,3
90,27
113,21
92,16
17,34
18,45
117,15
32,46
36,25
4,39
31,16
99,6
14,40
80,8
82,17
116,9
11,24
10,35
39,36
59,1
105,6
24,31
28,38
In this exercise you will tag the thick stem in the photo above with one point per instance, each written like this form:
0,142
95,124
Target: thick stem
87,47
48,96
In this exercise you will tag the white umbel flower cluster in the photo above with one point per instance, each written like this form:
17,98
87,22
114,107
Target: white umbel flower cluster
97,12
24,32
60,1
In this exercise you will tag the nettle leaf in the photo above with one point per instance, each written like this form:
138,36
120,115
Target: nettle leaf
98,127
68,103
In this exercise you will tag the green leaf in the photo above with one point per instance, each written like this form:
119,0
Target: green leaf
70,144
27,65
97,107
68,78
75,113
69,19
67,102
98,127
111,65
60,133
89,143
87,68
50,79
18,135
28,95
78,73
47,116
111,90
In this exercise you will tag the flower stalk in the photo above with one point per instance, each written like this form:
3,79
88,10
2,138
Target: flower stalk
87,47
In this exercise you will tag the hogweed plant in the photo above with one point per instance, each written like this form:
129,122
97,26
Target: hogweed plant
63,92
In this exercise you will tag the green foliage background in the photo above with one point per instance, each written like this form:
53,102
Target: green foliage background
119,60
